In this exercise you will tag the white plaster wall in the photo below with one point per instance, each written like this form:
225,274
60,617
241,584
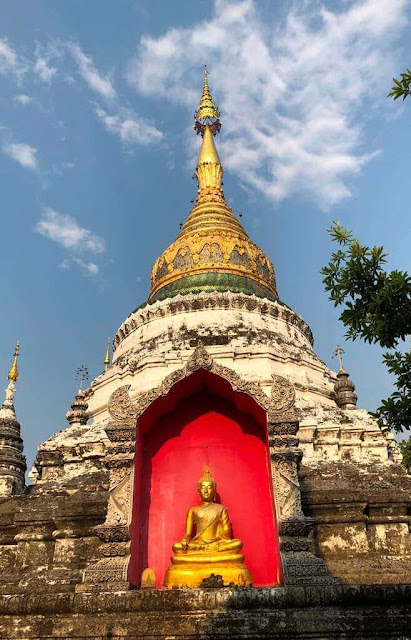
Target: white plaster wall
254,338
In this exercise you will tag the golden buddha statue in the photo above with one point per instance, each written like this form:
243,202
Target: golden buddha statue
208,546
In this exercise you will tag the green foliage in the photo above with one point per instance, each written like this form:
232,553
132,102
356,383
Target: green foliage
405,448
401,88
377,309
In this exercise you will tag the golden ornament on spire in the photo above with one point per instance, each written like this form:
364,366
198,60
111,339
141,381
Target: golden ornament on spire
14,372
107,356
207,112
212,251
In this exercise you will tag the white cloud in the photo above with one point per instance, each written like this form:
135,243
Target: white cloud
9,61
129,127
65,230
22,153
295,95
44,71
22,99
89,268
88,71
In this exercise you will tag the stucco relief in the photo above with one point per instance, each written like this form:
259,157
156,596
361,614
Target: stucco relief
287,489
282,394
120,406
119,504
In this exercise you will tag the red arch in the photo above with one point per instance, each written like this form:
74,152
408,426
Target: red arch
203,421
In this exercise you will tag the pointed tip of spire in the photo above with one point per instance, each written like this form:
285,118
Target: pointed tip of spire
207,112
14,372
107,356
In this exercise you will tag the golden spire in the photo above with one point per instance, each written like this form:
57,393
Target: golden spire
206,112
107,356
212,252
208,151
14,372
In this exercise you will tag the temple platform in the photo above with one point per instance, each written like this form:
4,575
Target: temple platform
342,611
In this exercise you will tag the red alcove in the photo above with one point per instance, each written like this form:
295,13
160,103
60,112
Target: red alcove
203,421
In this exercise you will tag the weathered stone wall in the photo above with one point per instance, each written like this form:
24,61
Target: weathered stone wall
361,526
47,535
320,613
362,519
361,530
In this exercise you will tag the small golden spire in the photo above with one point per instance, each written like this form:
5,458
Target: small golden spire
107,357
14,372
209,172
207,112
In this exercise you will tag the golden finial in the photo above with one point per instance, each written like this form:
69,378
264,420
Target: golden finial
14,372
209,171
207,112
107,357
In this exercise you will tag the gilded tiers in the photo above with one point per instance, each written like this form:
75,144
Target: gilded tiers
212,251
206,111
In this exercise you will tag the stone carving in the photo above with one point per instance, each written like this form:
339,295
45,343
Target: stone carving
200,359
114,549
287,489
282,394
110,533
107,573
124,411
120,406
119,504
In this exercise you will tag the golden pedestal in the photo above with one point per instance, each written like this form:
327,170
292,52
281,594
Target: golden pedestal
189,570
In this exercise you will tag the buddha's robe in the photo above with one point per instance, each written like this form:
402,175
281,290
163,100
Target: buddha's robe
208,529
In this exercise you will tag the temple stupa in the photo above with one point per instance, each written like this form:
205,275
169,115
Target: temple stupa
213,372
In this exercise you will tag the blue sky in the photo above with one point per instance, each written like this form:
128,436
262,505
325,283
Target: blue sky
97,152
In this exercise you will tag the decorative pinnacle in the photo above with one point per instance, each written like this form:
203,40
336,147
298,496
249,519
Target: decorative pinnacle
337,353
207,112
107,357
82,375
14,372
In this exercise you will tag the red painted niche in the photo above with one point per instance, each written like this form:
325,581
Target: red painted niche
202,421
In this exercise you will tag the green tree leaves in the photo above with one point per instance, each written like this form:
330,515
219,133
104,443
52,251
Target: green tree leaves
377,309
401,88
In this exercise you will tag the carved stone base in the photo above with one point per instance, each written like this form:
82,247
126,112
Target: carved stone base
108,574
304,568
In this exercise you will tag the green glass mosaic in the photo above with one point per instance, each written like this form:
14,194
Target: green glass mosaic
195,283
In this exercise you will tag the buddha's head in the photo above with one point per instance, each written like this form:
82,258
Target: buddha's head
207,487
